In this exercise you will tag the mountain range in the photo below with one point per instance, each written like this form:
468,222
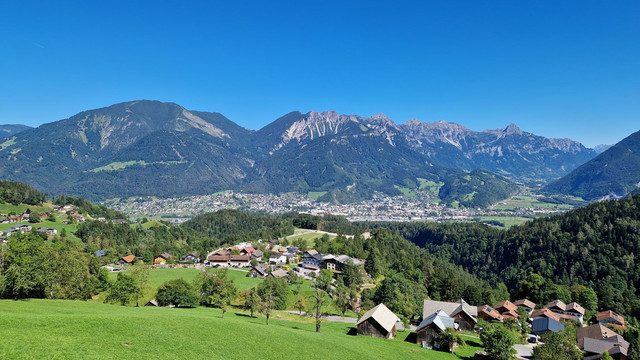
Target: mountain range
152,148
612,174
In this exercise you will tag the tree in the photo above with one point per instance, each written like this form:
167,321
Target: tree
558,346
450,336
252,300
216,288
141,276
498,343
51,217
177,292
301,304
292,278
342,296
34,217
606,356
123,290
322,288
278,289
254,262
268,303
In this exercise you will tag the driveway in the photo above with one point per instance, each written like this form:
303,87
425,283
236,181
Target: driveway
524,351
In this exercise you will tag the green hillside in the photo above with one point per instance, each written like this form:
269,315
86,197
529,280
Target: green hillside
614,172
57,329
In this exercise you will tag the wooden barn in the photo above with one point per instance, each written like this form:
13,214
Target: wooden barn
429,329
378,322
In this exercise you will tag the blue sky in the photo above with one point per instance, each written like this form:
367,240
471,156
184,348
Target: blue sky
555,68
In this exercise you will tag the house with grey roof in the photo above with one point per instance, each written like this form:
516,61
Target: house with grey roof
429,329
464,314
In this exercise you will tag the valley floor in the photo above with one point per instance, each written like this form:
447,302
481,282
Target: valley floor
58,329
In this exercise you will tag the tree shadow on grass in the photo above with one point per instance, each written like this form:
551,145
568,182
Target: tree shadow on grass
474,343
244,315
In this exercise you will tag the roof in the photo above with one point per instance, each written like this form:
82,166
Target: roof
464,309
489,311
608,314
280,273
261,269
506,305
614,345
596,331
129,258
218,258
312,252
240,257
557,303
545,313
544,324
165,255
575,307
382,315
439,319
431,306
525,302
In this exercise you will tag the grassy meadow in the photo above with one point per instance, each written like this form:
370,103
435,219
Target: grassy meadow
61,329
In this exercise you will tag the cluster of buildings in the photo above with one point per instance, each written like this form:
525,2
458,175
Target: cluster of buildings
24,228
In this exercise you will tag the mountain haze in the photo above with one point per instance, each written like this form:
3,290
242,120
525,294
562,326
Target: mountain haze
141,148
614,173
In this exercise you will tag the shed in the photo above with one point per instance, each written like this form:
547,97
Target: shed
378,322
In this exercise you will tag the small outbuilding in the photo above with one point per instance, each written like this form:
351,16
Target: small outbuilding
543,325
378,322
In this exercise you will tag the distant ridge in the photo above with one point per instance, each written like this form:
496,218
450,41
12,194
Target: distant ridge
12,129
154,148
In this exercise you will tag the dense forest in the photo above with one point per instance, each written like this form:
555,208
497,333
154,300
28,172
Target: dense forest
15,193
593,246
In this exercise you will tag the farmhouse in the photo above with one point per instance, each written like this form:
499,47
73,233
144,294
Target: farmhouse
463,313
258,271
278,274
571,311
507,309
190,257
526,304
596,339
48,231
239,260
428,330
162,259
610,317
546,313
378,322
127,260
488,313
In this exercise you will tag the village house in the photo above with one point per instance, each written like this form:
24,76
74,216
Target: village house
239,260
546,313
428,330
312,258
278,274
48,231
127,260
218,260
258,271
378,322
488,313
257,254
277,259
162,259
611,318
596,339
570,312
193,257
507,309
528,305
463,313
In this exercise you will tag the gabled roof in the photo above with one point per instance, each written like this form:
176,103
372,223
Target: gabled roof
382,315
489,311
612,345
525,302
165,255
575,307
596,331
464,309
545,313
557,303
505,306
240,257
439,319
128,258
280,273
260,269
431,306
311,252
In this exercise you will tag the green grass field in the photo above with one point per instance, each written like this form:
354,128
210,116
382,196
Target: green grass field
57,329
315,194
58,225
508,221
527,201
406,192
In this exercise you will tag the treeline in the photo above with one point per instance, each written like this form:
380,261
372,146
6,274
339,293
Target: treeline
593,246
16,193
31,268
86,207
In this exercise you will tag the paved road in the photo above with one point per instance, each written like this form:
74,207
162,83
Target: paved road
524,351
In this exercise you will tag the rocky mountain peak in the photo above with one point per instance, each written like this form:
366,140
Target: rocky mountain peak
512,129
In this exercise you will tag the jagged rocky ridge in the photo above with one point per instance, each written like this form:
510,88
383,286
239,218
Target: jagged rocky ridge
162,149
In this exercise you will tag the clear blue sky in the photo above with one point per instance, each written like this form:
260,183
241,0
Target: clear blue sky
555,68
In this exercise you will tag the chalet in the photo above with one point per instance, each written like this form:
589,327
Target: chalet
610,318
596,331
162,259
193,257
336,263
507,309
429,329
546,313
278,274
312,258
488,313
463,313
127,260
240,260
277,259
258,271
48,231
378,322
22,228
217,260
257,254
543,325
247,250
526,304
4,220
570,312
279,249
